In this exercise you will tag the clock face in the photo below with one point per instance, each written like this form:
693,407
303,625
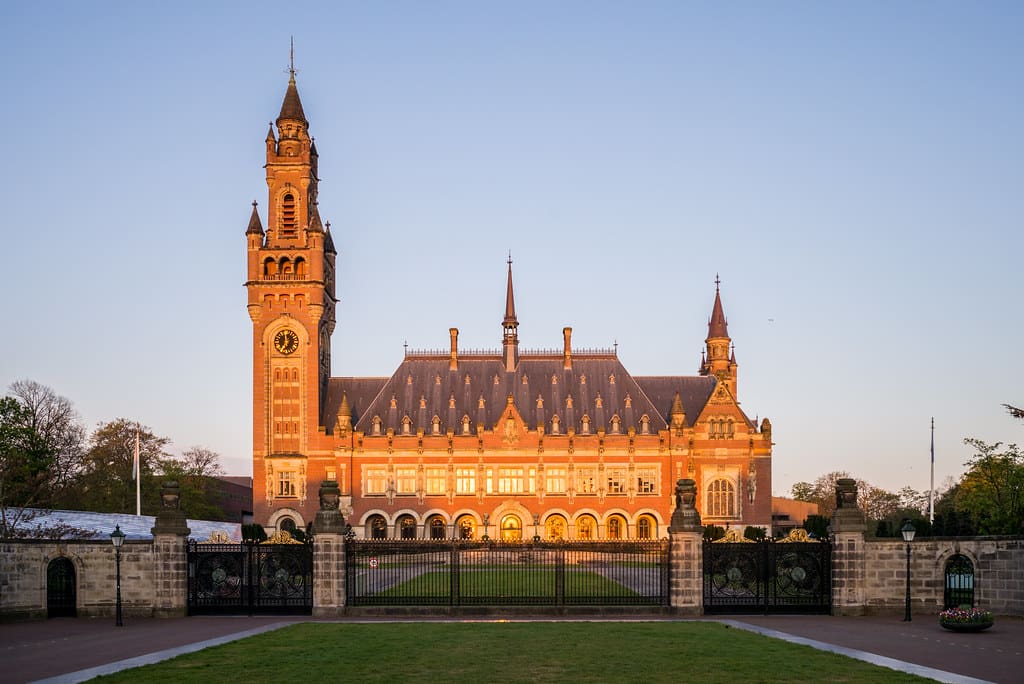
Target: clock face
286,341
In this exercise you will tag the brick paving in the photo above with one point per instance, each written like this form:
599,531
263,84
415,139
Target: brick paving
60,647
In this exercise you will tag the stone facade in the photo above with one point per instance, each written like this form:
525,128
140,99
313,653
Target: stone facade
23,566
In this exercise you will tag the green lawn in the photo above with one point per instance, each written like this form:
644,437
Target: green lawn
490,582
477,653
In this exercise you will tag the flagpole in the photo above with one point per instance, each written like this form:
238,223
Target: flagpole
138,475
931,486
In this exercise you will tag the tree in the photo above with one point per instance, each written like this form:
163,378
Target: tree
107,483
24,465
196,472
54,419
991,492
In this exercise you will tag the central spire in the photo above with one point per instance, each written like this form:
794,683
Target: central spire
510,325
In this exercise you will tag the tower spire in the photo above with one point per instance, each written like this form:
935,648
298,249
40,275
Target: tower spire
510,325
718,361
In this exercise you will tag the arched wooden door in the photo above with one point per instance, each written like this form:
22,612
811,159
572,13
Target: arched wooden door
60,588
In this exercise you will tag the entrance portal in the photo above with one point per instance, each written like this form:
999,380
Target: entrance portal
60,588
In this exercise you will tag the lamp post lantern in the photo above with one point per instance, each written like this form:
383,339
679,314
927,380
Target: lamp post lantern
117,538
908,533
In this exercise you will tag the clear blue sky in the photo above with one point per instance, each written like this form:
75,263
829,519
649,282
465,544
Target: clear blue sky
853,171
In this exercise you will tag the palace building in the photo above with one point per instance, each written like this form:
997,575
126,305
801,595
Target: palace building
510,443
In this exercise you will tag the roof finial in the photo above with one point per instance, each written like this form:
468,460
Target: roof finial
291,57
717,282
510,257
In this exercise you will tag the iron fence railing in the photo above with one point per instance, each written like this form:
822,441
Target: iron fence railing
477,573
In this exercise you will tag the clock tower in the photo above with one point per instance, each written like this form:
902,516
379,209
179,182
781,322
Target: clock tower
291,303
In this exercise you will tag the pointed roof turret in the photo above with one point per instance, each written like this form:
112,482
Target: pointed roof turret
291,108
329,241
271,138
255,226
510,302
316,225
718,326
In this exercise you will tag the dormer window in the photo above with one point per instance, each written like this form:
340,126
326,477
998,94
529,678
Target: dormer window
406,425
585,425
554,425
376,425
615,425
465,425
645,425
436,425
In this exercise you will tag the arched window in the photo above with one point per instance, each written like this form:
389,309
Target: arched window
586,527
645,527
616,527
437,527
959,582
300,267
269,266
377,527
554,528
288,216
286,524
466,525
407,527
511,528
721,499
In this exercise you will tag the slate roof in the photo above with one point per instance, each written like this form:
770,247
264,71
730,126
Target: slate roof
291,108
133,526
597,384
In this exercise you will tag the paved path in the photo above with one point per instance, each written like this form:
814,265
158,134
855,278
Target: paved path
71,650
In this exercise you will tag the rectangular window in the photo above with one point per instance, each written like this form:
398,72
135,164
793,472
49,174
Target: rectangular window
331,474
286,483
646,480
405,480
436,479
616,480
586,481
554,480
510,480
376,480
465,480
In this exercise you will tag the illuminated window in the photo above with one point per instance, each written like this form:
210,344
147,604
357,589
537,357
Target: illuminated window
721,499
438,530
466,527
586,481
616,527
465,480
616,480
376,480
407,527
554,527
554,482
286,483
436,479
645,527
646,480
405,480
510,480
586,527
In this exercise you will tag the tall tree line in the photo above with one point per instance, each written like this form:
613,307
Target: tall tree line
48,460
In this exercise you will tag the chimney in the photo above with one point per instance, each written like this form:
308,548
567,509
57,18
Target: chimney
453,362
567,350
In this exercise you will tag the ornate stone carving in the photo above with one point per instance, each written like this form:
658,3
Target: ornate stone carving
685,517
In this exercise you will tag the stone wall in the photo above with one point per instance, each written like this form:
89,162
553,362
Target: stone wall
23,567
998,573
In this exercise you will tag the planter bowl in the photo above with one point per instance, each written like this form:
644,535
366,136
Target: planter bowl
966,626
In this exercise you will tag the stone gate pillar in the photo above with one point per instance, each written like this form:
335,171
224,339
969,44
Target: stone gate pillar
170,571
849,591
686,553
329,532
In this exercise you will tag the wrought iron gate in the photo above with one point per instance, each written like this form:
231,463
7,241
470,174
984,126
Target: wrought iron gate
769,576
250,579
60,588
478,573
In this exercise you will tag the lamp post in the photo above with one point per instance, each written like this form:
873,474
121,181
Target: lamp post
908,533
117,538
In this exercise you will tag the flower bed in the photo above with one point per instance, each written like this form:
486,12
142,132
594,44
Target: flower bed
966,619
